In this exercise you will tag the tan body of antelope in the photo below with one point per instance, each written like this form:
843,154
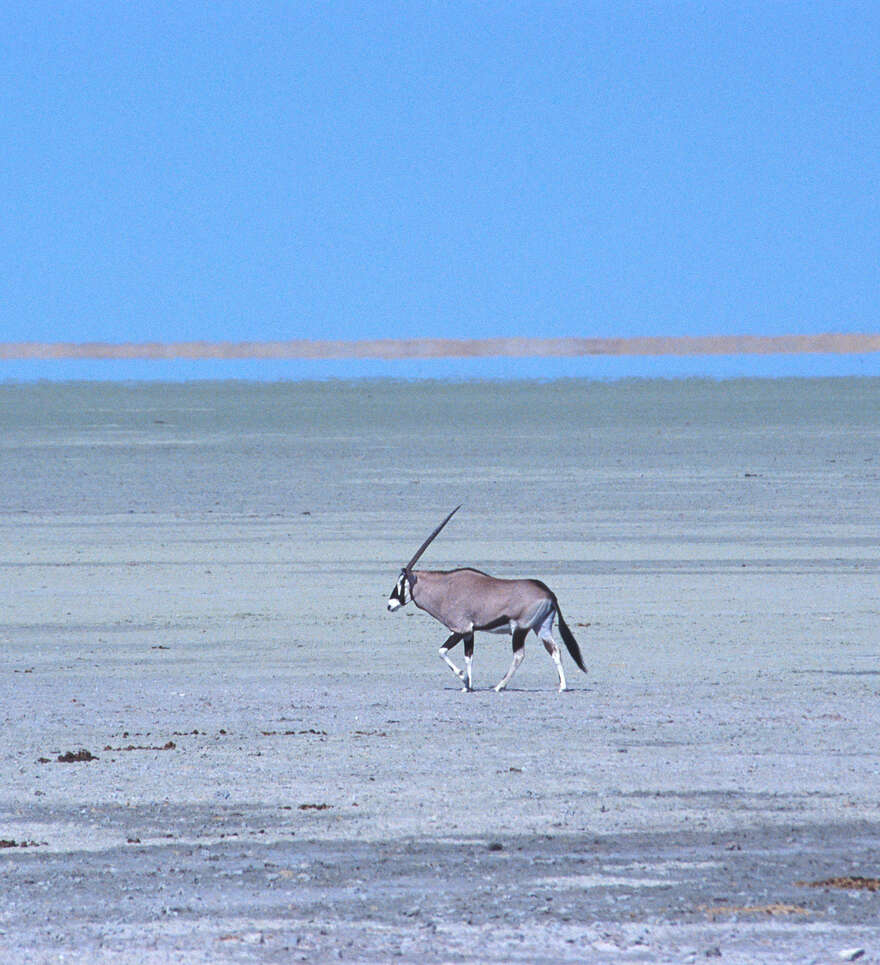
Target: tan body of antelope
467,600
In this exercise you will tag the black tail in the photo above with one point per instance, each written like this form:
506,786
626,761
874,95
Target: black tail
569,640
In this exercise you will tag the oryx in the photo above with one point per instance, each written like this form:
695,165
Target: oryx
467,600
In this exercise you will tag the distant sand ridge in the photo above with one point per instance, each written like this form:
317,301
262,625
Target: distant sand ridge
427,348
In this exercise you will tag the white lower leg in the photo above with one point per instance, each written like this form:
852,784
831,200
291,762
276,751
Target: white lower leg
517,660
558,661
468,685
553,650
457,671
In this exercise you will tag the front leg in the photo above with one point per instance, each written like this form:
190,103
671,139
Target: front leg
444,650
468,660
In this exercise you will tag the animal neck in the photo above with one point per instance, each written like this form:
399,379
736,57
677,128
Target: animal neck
423,588
412,577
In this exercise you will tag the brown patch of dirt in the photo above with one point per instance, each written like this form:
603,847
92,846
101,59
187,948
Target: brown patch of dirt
72,757
774,909
169,746
293,733
853,882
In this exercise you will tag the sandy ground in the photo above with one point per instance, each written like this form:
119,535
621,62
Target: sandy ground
194,582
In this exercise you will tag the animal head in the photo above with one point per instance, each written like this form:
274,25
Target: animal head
402,592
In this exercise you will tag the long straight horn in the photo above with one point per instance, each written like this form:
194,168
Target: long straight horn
427,542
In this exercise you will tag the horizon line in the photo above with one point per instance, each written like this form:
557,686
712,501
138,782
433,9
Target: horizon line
829,343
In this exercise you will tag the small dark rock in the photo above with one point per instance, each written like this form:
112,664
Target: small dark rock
72,757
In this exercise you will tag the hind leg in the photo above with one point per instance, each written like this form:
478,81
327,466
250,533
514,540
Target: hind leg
545,632
519,651
444,650
553,650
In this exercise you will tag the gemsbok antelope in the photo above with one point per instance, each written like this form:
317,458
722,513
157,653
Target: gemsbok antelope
466,600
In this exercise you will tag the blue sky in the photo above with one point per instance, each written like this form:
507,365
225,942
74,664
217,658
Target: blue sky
271,170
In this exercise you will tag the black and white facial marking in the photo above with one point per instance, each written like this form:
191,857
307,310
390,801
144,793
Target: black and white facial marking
401,594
